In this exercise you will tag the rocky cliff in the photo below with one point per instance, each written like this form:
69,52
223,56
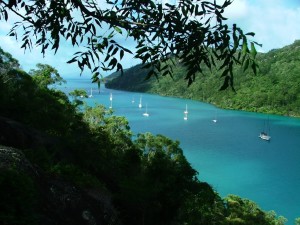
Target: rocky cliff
29,195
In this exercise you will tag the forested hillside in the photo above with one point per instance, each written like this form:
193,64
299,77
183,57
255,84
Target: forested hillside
274,89
64,162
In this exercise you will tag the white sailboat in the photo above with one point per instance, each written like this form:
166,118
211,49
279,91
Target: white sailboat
91,95
185,116
185,113
140,104
146,114
110,99
132,101
186,109
215,119
265,134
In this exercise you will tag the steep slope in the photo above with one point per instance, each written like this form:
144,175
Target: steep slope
60,164
275,88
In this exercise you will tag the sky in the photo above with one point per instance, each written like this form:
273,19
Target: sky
276,23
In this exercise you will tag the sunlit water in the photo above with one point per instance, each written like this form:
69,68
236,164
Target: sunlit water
227,154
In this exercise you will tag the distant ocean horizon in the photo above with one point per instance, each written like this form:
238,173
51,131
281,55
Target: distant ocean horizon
228,154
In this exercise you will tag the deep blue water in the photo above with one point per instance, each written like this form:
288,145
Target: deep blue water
227,154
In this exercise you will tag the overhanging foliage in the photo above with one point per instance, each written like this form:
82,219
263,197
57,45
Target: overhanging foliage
193,31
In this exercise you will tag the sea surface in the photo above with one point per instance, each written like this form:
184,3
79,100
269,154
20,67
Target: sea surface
228,154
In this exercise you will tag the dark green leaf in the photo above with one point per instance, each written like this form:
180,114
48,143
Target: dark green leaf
246,65
253,50
115,51
225,84
250,34
121,53
110,48
72,60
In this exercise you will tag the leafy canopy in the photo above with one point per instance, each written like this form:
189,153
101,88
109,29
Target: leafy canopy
148,179
193,31
46,75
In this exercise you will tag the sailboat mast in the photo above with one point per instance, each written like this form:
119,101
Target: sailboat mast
140,104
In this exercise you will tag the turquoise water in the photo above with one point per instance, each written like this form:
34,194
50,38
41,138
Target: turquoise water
227,154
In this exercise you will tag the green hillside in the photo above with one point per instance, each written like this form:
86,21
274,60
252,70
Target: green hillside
274,89
64,162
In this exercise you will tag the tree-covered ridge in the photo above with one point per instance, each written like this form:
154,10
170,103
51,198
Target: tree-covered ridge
68,149
274,89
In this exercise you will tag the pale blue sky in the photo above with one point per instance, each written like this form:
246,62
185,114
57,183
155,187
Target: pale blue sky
275,22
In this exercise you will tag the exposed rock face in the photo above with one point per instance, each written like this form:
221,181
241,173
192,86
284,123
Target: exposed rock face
67,204
15,134
13,158
56,201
